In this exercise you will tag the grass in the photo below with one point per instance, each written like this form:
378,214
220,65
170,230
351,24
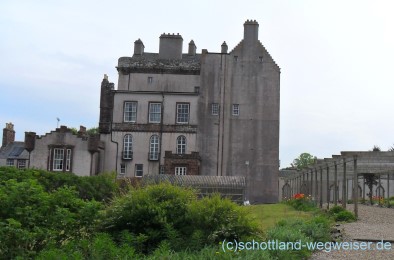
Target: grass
268,215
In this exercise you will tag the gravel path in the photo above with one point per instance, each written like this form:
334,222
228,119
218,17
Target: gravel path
374,224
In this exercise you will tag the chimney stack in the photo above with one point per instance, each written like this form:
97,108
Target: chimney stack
8,134
192,48
30,141
138,47
224,47
251,31
170,46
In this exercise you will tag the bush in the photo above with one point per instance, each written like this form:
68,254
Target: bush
30,217
158,213
340,214
100,188
216,219
345,216
335,210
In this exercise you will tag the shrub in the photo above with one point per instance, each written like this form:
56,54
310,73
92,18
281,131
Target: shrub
335,210
340,214
100,188
216,219
346,216
163,213
30,217
156,211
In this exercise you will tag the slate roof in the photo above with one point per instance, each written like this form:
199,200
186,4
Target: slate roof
14,150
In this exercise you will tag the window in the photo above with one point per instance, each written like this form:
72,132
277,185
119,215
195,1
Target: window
180,170
182,113
215,109
235,109
181,145
130,112
122,168
261,59
139,170
196,89
58,158
68,160
235,58
154,112
21,164
161,169
154,148
10,162
127,147
150,80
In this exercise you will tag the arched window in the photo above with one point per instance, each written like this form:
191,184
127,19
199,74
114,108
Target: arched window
127,147
154,148
181,145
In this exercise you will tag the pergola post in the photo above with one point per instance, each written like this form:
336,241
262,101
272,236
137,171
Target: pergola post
355,186
335,183
321,187
311,193
328,187
307,183
316,185
344,191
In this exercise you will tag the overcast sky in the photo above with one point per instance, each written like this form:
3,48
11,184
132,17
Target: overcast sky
336,59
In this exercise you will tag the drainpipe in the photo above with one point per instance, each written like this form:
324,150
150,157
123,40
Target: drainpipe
161,129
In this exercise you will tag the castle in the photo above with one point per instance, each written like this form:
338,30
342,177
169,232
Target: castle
208,113
175,113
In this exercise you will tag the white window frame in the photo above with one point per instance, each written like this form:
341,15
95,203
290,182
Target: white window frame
215,109
235,109
181,170
128,147
154,144
130,111
58,159
139,172
161,170
68,160
10,162
181,144
122,169
182,113
21,164
154,112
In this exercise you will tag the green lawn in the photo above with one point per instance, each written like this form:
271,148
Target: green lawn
269,214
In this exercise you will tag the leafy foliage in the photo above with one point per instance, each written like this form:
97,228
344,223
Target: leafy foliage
303,161
341,214
159,213
30,217
101,187
370,180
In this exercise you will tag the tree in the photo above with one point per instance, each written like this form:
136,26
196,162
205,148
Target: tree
303,161
376,148
370,179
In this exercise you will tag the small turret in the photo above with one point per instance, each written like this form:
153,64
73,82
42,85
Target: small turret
138,47
192,48
224,47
